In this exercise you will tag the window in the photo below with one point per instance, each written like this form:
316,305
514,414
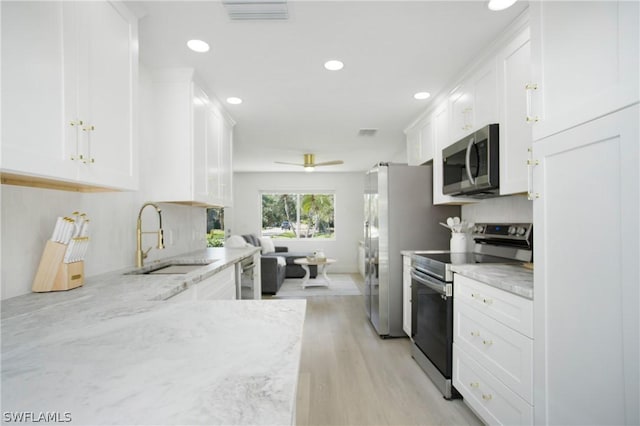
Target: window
215,227
298,215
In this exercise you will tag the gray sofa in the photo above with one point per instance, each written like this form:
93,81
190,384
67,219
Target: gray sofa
272,274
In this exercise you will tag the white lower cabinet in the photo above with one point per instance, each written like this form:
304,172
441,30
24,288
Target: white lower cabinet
493,352
221,286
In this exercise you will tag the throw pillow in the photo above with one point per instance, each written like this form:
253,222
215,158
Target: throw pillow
236,241
267,245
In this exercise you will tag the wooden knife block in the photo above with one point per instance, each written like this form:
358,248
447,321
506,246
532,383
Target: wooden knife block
55,275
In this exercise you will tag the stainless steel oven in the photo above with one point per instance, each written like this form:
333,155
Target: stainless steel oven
471,166
432,294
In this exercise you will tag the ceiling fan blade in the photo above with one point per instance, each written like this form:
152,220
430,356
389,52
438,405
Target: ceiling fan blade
330,163
289,164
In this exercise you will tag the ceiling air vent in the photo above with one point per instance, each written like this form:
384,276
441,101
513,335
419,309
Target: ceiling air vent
252,10
367,132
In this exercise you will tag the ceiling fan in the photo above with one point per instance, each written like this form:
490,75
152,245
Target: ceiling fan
310,164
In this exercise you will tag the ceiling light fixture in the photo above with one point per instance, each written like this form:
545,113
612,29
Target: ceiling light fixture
234,101
422,95
500,4
198,46
333,65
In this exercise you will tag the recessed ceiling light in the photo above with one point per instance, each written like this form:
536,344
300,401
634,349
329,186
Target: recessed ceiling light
198,46
333,65
234,101
422,95
500,4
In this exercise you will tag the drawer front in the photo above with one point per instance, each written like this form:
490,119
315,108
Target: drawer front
505,353
219,286
511,310
491,399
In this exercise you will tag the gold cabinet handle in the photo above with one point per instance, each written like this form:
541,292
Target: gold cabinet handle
487,301
475,333
487,397
487,342
474,385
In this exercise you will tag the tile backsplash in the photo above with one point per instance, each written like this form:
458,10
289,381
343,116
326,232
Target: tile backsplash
29,215
514,208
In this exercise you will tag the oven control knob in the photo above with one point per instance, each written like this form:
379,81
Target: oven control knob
512,230
521,230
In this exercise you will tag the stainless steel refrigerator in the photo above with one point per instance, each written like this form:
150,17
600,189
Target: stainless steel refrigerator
399,215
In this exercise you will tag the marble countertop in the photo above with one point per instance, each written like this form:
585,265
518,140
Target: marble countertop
515,279
113,352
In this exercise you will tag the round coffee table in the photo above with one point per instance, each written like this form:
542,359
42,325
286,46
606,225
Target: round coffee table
322,265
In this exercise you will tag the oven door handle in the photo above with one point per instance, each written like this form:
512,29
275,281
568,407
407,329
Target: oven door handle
444,289
467,161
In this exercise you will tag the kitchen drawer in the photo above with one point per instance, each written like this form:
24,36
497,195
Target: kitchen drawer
495,403
511,310
505,353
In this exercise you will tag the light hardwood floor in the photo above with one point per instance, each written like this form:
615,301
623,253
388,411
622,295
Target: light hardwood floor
350,376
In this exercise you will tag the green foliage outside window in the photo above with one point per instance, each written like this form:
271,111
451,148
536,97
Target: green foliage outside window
298,215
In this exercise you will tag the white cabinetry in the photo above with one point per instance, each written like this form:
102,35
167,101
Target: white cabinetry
493,352
585,61
514,74
190,160
474,103
221,286
69,80
406,294
587,272
420,142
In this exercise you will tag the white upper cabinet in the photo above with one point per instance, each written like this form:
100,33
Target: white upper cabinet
191,143
514,73
585,61
69,79
474,103
420,142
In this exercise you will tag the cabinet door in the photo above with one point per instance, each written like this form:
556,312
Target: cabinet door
214,140
413,145
514,65
201,145
226,158
485,98
426,140
33,91
107,77
221,286
461,107
406,294
586,273
585,61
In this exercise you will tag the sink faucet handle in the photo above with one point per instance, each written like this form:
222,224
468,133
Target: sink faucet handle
146,253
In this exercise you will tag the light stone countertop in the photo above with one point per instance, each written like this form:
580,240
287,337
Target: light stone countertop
113,352
515,279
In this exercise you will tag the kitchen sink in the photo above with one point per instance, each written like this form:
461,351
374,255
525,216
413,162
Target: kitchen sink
172,268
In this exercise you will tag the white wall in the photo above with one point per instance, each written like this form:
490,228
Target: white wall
514,208
348,189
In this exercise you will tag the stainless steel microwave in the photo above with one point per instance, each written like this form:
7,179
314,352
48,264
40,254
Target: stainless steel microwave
471,166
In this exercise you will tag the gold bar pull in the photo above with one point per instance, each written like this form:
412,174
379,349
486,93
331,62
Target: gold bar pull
474,385
487,397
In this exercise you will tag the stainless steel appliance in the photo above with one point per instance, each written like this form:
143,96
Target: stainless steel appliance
432,293
471,166
399,215
246,279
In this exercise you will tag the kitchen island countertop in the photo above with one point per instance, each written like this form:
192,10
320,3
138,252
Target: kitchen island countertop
114,352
